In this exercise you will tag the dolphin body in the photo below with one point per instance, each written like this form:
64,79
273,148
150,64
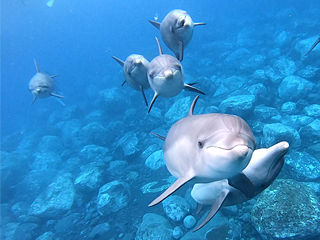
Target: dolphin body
264,167
313,46
135,72
41,85
176,31
207,148
166,77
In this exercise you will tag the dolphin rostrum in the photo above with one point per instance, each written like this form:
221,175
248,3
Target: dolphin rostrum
207,148
41,85
313,46
166,77
176,31
135,72
263,168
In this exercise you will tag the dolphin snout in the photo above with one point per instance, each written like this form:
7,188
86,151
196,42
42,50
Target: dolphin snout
168,74
241,151
138,61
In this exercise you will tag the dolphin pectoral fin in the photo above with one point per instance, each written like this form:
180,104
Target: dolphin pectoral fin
123,83
152,102
34,100
159,46
313,46
144,96
158,136
56,95
193,105
181,47
192,89
200,23
55,76
199,208
175,186
118,60
214,209
35,63
243,184
156,24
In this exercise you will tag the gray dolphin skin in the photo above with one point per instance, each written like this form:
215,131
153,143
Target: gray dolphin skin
41,85
176,31
207,148
135,72
264,167
313,46
166,77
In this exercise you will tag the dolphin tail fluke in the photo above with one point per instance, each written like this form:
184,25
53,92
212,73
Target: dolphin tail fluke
199,208
243,184
200,23
55,76
35,63
144,96
192,89
175,186
56,95
214,209
118,60
156,24
313,46
152,102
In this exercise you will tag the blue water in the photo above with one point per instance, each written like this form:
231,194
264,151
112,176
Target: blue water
77,39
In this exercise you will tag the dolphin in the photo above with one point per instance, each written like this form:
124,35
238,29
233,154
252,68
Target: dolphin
313,46
265,165
135,72
207,148
41,85
166,77
176,31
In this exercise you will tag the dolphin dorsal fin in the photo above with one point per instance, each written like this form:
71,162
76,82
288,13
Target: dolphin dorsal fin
159,46
156,24
193,105
37,67
118,60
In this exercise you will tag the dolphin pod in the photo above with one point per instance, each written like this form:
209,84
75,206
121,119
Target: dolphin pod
135,72
166,77
176,31
207,148
41,85
263,168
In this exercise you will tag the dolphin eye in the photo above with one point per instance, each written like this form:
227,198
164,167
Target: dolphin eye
200,144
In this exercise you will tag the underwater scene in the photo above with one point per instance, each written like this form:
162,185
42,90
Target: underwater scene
160,120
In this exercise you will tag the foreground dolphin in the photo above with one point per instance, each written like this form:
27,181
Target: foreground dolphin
166,77
176,31
264,167
135,72
313,46
208,147
41,85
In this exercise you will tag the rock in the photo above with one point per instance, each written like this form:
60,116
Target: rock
176,207
257,89
100,230
151,149
240,105
310,134
189,221
58,198
19,208
94,133
272,75
303,166
129,143
314,186
46,160
95,153
13,231
50,144
280,214
154,226
155,160
312,110
289,107
177,233
233,83
91,178
294,88
112,197
303,45
264,114
70,133
67,223
296,121
118,167
277,132
309,72
96,116
46,236
284,66
178,110
236,58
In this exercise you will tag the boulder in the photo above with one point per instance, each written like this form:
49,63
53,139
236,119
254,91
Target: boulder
155,160
176,207
240,105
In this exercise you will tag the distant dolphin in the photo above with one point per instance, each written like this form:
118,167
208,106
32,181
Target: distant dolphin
313,46
206,148
135,72
265,165
176,31
166,77
41,85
